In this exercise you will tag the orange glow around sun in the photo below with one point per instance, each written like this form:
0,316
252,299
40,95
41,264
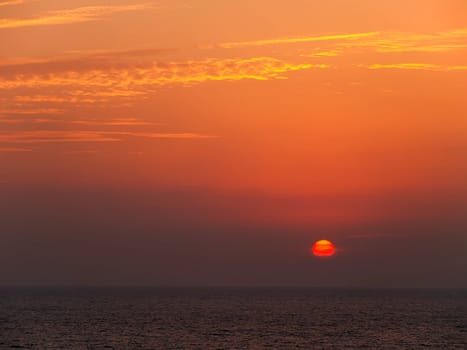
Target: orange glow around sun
323,248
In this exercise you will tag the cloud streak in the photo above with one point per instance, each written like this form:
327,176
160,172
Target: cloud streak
417,66
397,42
382,42
14,149
52,136
39,91
115,122
70,16
278,41
118,122
14,2
320,54
74,136
33,111
136,80
160,74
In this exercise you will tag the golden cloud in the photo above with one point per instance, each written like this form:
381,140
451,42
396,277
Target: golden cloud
69,16
383,42
417,66
127,81
14,2
392,42
351,36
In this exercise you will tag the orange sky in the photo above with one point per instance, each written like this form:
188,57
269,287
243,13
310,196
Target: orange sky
285,98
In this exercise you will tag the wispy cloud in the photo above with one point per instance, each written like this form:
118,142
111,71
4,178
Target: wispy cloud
118,122
383,42
73,97
96,77
33,111
11,2
67,136
14,149
115,122
394,42
69,16
371,236
295,40
82,151
47,136
82,60
161,135
417,66
15,2
100,85
40,98
136,80
320,54
31,121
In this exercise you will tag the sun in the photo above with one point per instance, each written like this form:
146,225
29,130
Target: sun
323,248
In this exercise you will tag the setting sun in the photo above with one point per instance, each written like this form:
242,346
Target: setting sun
323,247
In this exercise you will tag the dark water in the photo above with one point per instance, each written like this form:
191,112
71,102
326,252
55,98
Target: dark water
232,319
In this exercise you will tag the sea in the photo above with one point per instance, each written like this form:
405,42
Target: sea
232,318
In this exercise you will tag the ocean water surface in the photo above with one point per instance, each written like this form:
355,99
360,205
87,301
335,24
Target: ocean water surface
232,318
